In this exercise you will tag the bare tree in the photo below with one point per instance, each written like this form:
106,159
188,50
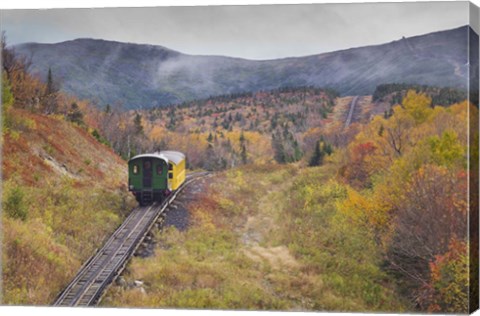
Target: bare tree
428,216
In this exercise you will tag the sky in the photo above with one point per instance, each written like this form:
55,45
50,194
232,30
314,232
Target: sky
252,32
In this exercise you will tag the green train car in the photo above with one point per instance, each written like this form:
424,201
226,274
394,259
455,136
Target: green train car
152,177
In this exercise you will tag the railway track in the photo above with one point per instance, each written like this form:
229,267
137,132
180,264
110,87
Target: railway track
348,121
101,269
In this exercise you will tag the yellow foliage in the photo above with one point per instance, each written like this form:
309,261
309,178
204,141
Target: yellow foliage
157,133
237,177
204,219
417,105
309,194
15,135
365,209
29,254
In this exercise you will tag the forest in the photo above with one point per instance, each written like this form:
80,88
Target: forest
390,199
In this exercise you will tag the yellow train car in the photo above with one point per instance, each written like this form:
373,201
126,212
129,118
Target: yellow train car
176,168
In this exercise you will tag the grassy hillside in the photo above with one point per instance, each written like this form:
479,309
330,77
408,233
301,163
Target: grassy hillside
285,247
63,193
380,225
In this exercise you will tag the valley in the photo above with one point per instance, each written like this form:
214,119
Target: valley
338,182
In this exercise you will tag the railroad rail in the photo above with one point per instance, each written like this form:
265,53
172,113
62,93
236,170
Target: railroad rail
350,112
102,269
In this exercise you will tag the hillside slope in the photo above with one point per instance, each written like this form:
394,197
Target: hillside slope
145,75
286,245
63,193
377,226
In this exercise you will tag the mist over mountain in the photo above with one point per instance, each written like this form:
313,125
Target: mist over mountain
146,76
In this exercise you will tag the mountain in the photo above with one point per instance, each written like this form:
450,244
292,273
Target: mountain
145,75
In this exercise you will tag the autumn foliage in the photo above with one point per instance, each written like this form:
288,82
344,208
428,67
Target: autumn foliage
274,125
382,199
408,178
63,192
448,287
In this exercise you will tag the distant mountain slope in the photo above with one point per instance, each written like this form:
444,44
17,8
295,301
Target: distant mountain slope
146,76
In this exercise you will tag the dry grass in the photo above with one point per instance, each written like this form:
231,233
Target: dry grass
257,238
277,257
65,193
341,108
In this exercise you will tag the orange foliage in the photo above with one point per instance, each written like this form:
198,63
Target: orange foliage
361,165
34,153
449,280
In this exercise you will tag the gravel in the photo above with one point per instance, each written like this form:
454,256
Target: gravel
176,215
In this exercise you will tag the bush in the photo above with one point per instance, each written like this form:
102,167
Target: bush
14,204
448,287
100,138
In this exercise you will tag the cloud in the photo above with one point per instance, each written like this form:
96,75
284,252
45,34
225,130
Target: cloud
254,32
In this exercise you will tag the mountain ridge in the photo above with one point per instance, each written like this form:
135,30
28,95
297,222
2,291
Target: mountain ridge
144,75
79,39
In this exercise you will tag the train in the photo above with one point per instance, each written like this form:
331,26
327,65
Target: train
154,176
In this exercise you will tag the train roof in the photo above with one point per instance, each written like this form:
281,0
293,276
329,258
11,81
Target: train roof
152,155
174,156
168,155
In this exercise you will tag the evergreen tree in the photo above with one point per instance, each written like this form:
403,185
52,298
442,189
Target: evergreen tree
297,152
50,96
317,157
242,137
75,115
243,149
381,130
210,138
278,149
328,149
211,158
50,89
238,117
173,121
137,121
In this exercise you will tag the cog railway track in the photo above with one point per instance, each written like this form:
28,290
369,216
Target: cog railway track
97,273
351,111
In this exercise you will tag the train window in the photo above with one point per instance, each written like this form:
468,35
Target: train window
147,165
135,169
170,166
159,169
170,175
